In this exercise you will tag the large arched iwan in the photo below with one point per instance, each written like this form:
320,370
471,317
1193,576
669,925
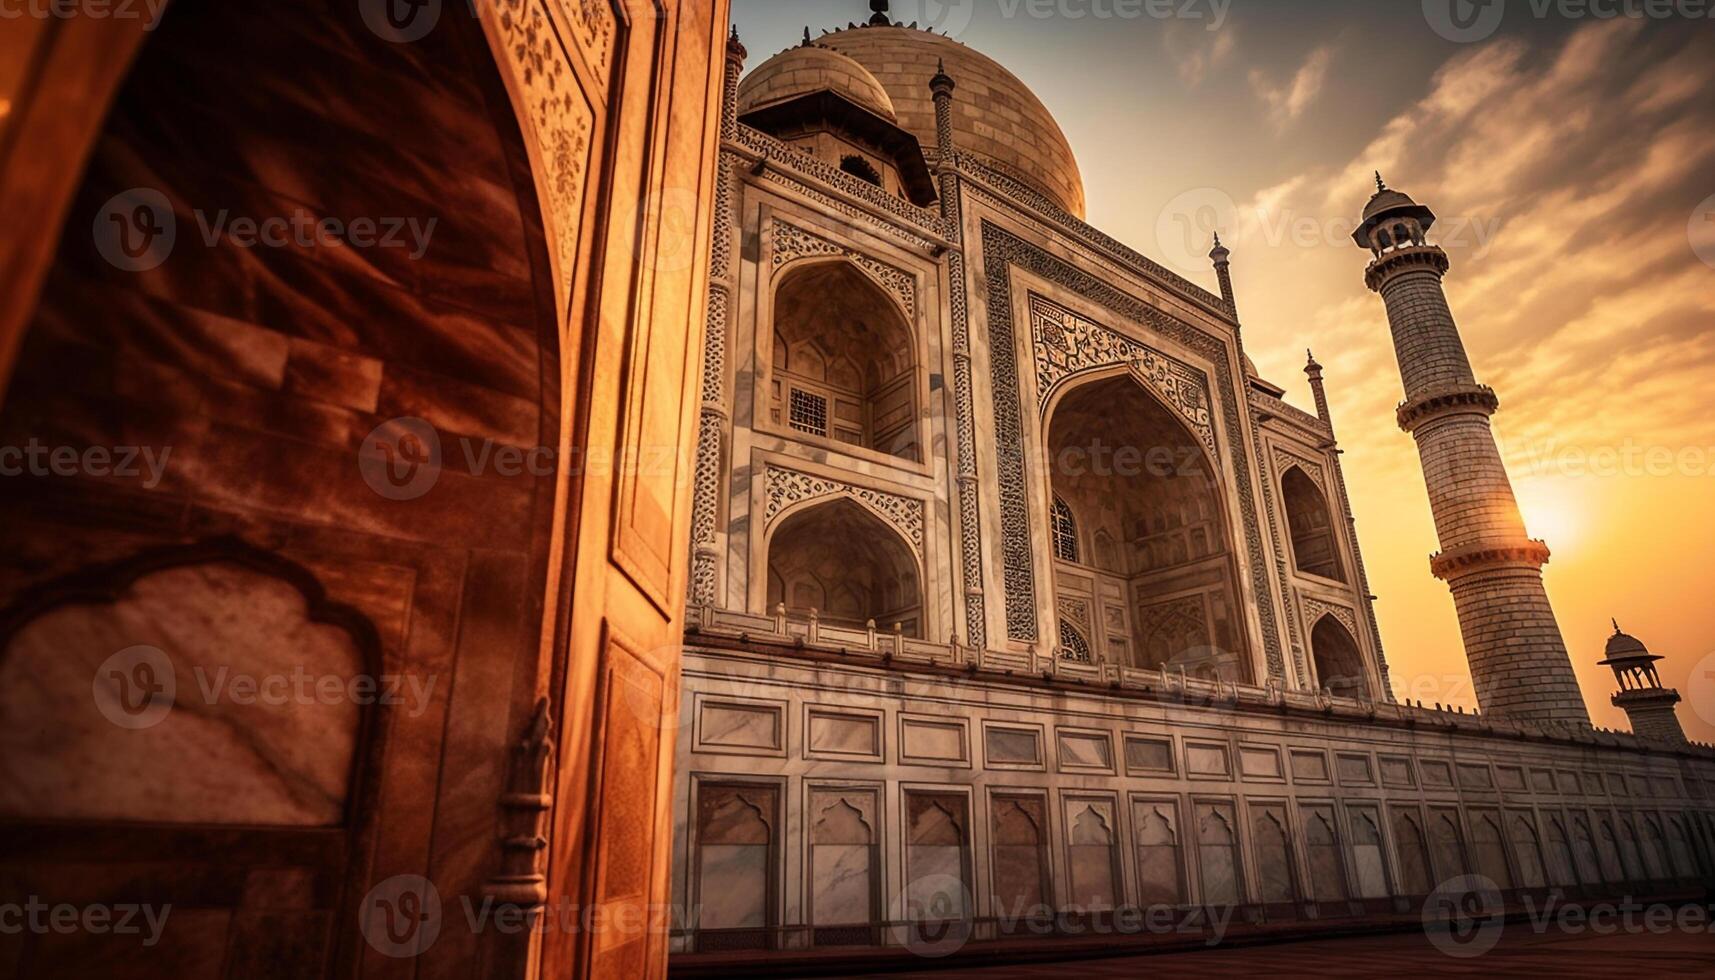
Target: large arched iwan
1146,505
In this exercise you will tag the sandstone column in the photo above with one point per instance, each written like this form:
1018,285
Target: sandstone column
1494,569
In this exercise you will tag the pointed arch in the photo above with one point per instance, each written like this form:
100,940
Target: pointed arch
1315,546
836,557
1277,880
1338,660
1417,875
1489,849
1160,860
1327,866
255,614
1145,491
1065,528
842,360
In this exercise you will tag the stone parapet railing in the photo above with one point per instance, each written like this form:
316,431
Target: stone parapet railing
807,638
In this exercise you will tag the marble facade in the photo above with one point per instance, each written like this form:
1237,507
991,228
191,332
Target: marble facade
1161,691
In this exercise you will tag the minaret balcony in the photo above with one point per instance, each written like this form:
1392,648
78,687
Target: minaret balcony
1439,402
1483,555
1405,259
1646,697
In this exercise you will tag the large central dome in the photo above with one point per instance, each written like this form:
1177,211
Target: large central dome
996,118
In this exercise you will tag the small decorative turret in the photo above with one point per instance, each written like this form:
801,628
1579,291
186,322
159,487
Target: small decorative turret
1221,256
1314,371
1641,696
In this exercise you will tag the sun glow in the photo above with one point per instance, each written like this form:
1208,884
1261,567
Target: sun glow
1553,514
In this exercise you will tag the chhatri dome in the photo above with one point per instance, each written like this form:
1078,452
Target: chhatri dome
886,66
813,68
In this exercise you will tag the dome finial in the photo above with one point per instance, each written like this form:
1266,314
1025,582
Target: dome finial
1381,185
806,35
879,18
1617,630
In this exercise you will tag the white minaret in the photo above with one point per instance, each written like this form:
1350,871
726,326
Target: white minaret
1493,567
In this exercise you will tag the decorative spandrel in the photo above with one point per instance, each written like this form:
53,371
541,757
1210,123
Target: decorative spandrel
1065,344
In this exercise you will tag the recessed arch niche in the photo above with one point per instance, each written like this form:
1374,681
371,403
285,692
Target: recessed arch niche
208,686
842,361
1339,664
1141,489
837,558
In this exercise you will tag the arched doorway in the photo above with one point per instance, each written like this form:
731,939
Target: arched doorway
269,348
1339,664
842,361
264,315
1140,533
850,567
1314,547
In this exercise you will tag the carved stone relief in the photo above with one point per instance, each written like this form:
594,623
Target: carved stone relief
1315,609
1002,250
792,242
784,488
1066,344
556,112
1285,460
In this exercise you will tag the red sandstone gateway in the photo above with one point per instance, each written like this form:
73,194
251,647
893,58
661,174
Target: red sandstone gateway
525,489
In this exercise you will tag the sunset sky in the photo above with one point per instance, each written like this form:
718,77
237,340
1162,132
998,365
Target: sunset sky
1572,163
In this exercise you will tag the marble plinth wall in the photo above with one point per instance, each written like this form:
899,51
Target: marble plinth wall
256,373
983,796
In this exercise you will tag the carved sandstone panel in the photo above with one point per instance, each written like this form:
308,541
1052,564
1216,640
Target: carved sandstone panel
205,694
1260,763
1310,767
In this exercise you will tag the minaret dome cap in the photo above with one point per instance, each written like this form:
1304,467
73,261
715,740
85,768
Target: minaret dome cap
1625,648
1386,205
